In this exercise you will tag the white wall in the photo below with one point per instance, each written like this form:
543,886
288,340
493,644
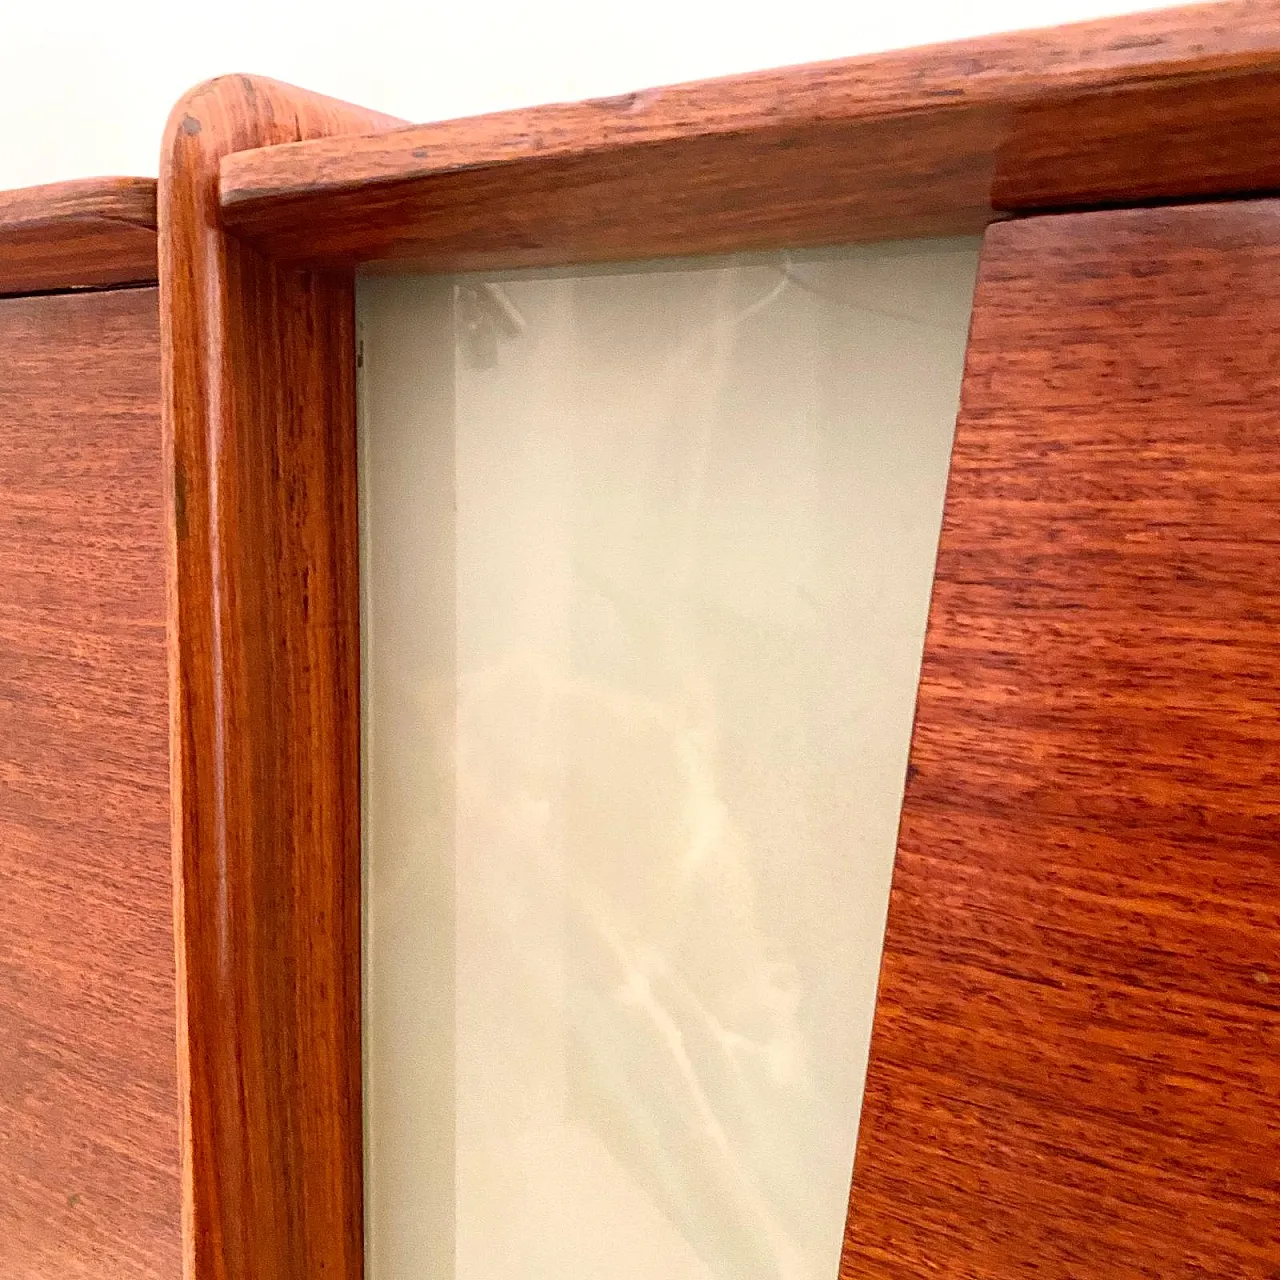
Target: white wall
86,85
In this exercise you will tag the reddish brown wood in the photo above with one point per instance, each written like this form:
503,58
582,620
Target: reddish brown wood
259,415
74,235
1183,102
1075,1069
89,1184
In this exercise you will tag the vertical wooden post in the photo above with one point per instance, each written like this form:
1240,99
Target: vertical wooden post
260,451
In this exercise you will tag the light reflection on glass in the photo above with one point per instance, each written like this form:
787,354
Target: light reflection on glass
647,561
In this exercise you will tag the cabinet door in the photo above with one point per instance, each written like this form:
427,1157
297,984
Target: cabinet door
1075,1067
89,1177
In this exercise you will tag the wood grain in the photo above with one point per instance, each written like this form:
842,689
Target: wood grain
89,1181
933,141
1075,1069
76,235
259,416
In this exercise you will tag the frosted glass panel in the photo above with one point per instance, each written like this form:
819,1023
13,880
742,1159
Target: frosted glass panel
647,561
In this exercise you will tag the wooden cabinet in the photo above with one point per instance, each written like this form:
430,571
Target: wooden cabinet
1073,1070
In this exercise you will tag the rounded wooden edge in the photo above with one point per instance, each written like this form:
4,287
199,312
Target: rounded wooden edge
217,118
240,112
258,410
90,233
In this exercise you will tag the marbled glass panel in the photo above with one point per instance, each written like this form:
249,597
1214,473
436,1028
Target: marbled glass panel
647,561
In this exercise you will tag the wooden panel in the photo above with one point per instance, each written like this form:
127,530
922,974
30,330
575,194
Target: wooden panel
259,416
89,1182
1184,102
73,235
1076,1061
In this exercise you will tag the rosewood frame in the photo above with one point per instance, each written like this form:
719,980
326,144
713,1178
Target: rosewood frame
269,200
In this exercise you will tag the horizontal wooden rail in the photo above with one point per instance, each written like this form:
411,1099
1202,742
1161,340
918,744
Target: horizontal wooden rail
78,235
943,140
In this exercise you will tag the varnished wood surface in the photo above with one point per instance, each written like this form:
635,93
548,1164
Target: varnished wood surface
259,415
1075,1069
75,235
89,1183
941,140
